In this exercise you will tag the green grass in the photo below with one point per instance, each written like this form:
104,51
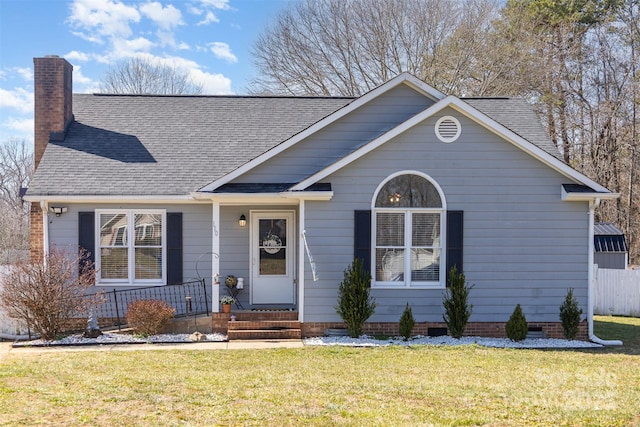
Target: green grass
452,386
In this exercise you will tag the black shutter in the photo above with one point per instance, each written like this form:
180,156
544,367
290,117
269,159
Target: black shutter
455,236
174,248
362,238
86,236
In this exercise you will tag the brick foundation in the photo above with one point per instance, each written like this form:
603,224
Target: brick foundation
480,329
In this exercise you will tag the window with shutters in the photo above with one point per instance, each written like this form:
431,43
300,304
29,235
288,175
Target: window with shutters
408,219
131,246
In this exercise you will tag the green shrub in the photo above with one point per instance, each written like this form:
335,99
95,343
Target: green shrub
354,304
570,314
407,322
517,326
457,309
149,316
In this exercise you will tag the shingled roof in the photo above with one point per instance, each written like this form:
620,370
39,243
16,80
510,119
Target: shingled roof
167,145
172,145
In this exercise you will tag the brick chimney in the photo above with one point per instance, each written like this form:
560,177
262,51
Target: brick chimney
52,116
53,110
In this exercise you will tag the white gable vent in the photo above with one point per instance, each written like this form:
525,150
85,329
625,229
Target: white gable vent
448,129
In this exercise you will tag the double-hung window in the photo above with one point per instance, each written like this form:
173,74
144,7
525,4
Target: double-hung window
132,248
408,221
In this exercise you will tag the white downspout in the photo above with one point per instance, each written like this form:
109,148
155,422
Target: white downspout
301,259
44,206
590,295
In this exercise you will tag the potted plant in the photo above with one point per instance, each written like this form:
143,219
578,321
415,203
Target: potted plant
226,302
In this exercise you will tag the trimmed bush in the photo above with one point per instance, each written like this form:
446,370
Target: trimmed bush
149,316
517,327
457,309
354,304
407,322
570,314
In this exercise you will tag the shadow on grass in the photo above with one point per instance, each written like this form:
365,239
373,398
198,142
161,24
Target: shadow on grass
625,329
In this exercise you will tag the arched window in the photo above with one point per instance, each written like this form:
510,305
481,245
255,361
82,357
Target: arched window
408,223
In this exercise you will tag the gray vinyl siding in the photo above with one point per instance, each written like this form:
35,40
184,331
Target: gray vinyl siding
235,249
197,239
196,233
341,137
522,244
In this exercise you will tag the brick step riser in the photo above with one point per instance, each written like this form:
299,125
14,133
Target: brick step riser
264,325
252,334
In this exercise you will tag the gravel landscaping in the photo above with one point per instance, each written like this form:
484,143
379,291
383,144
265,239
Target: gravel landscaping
364,341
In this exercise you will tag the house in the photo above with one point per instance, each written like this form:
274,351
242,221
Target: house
408,179
610,247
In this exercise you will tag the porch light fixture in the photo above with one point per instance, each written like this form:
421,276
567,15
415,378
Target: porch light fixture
58,210
242,222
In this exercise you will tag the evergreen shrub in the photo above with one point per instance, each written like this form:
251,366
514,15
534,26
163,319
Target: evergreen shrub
355,305
457,309
517,327
570,314
407,322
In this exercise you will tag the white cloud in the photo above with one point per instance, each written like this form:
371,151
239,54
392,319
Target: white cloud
127,48
74,55
223,51
209,18
207,7
83,83
25,72
17,99
213,84
23,126
217,4
165,17
106,18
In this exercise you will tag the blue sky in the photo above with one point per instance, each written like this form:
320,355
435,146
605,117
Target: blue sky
210,39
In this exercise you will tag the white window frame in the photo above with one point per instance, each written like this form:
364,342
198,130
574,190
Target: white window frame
130,245
407,283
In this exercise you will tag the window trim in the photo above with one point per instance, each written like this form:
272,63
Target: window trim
408,212
130,237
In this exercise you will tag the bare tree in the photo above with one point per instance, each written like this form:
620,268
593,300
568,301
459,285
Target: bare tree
337,47
142,76
16,170
50,292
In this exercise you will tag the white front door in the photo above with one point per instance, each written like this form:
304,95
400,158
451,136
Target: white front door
272,257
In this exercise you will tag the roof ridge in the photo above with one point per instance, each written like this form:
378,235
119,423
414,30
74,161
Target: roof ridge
149,95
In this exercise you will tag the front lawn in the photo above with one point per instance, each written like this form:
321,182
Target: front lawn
423,385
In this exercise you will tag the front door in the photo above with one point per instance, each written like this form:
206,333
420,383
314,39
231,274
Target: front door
272,257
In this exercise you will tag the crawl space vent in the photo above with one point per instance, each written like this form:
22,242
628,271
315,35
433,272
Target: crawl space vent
448,129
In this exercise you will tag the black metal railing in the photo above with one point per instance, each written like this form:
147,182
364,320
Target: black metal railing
188,299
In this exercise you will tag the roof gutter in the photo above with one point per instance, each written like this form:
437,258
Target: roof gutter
593,204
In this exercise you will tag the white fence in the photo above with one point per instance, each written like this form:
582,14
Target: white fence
9,327
617,292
